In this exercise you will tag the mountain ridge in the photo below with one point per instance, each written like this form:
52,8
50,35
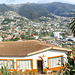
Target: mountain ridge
34,10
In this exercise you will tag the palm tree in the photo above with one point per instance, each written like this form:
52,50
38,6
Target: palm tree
72,25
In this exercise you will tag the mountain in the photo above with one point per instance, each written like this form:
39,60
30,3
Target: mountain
4,8
15,7
60,9
34,11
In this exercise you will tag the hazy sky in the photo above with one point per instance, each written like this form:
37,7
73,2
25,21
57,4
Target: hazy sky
36,1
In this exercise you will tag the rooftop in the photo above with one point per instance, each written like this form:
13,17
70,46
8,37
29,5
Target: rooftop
24,48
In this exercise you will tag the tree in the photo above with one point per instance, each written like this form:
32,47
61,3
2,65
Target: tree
23,36
72,25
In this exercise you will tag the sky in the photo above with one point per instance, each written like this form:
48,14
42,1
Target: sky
35,1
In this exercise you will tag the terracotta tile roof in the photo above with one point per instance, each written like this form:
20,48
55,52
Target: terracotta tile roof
21,48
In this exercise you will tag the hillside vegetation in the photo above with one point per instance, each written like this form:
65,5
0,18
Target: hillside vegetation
34,11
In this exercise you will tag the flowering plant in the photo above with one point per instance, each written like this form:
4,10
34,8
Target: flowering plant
69,66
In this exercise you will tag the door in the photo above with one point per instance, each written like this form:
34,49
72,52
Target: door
40,66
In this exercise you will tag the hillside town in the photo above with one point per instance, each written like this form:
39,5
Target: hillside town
37,37
53,30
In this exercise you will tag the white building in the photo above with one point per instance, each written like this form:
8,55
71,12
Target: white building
57,34
36,36
1,38
70,38
32,55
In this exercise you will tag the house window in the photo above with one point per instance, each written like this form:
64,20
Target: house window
55,61
8,63
24,64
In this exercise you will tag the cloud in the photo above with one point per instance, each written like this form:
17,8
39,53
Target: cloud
67,1
45,1
37,1
10,1
63,1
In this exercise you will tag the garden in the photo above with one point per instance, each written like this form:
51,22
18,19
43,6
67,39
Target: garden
68,68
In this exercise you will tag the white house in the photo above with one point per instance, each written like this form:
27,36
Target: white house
32,55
